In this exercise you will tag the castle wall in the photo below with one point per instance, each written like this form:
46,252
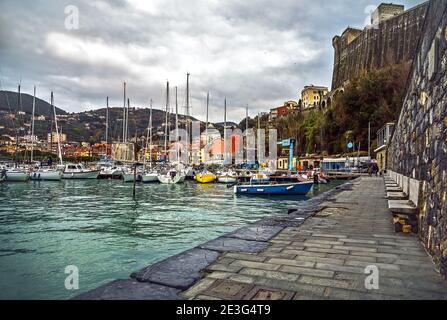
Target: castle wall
419,145
394,41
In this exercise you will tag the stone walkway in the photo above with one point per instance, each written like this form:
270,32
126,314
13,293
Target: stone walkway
326,257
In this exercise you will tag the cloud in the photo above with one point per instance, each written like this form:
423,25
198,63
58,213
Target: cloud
257,53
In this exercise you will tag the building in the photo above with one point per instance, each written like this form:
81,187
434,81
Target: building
386,11
383,140
123,151
285,109
391,39
313,96
53,137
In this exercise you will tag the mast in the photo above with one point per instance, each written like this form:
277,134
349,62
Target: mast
187,120
124,113
127,120
166,126
59,150
176,128
206,124
147,138
17,131
225,131
246,118
107,123
150,136
32,125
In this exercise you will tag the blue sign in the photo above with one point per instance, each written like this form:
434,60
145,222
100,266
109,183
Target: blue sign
350,145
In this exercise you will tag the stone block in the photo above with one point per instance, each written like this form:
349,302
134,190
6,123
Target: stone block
179,271
131,290
224,244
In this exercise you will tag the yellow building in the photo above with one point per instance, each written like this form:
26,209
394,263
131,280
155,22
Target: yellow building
52,137
312,96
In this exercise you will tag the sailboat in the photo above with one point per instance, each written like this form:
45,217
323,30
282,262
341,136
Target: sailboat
128,171
17,174
149,175
228,176
206,176
47,174
174,175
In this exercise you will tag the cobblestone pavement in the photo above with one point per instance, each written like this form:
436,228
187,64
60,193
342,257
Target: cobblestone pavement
326,257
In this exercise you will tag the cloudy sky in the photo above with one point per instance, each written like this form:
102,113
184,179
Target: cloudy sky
258,53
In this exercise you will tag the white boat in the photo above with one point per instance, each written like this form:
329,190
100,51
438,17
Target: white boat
16,175
149,177
129,174
77,171
129,177
227,177
172,177
46,175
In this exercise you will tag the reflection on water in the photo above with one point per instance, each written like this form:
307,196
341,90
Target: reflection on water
97,226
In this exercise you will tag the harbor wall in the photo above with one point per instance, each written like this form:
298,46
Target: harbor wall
419,145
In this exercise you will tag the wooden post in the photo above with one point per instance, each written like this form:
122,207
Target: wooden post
134,178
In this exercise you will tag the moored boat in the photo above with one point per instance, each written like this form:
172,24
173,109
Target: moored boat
300,188
16,175
205,177
227,177
46,175
172,177
78,171
149,177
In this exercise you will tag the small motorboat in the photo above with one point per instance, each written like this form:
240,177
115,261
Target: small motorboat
14,175
149,177
172,177
205,177
78,171
300,188
227,177
46,175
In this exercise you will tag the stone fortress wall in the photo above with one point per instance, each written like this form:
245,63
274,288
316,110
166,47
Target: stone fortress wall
419,145
391,39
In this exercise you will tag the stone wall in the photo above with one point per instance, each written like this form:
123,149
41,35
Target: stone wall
419,145
391,42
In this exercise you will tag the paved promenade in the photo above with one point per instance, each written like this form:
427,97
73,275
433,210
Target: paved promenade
326,256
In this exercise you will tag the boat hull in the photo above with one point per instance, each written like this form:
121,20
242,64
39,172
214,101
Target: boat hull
167,179
46,176
149,178
226,179
81,175
129,177
205,178
301,188
17,176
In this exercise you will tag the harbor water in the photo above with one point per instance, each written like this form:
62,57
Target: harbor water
101,229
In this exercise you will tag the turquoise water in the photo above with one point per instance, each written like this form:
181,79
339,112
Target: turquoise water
97,226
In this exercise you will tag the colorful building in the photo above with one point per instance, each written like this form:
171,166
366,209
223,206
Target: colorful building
312,96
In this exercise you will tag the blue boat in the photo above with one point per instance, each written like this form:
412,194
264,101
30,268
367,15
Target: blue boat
301,188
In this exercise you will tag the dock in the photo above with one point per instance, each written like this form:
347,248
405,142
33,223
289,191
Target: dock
325,249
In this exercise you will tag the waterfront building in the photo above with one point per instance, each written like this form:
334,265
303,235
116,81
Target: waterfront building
383,140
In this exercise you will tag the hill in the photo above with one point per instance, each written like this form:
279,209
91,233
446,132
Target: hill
86,126
9,99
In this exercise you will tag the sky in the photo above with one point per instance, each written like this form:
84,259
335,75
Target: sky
255,53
